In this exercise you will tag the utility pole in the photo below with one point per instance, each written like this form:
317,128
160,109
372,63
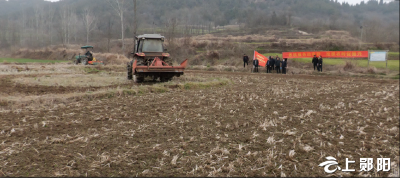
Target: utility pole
361,27
134,25
366,34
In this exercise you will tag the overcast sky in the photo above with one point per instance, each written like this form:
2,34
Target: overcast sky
352,2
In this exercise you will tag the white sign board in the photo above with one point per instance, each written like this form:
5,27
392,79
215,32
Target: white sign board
377,56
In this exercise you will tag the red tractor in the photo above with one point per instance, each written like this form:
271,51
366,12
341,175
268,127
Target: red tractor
151,60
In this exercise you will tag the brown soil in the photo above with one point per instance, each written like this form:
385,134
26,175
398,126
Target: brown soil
224,131
10,88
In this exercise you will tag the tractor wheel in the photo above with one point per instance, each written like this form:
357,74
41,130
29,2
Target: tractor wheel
165,79
130,70
140,62
76,62
85,61
139,79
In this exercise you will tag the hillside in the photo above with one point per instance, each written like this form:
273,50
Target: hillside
39,23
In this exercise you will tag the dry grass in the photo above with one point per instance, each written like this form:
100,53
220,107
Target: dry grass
91,86
372,70
244,38
34,69
75,80
67,53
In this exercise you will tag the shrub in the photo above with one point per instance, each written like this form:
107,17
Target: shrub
213,54
349,66
372,70
211,69
228,69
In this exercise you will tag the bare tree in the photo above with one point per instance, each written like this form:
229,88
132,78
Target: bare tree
40,24
65,22
118,6
171,27
23,26
40,16
89,21
74,24
109,28
37,11
289,16
373,30
333,20
50,17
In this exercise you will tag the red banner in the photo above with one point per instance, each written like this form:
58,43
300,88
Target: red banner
326,54
262,60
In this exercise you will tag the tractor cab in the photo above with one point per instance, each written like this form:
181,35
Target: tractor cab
151,60
148,47
88,57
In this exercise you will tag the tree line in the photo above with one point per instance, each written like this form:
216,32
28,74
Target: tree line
39,23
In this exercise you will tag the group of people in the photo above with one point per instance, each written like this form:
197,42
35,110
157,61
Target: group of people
276,64
280,66
272,64
317,63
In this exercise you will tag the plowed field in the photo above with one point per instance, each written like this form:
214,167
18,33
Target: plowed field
255,125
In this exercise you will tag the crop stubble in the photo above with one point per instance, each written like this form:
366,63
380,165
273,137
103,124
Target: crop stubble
262,125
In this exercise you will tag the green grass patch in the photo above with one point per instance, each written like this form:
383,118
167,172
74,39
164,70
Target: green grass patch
392,64
197,85
326,61
205,85
12,60
397,77
91,70
256,43
393,56
129,92
158,89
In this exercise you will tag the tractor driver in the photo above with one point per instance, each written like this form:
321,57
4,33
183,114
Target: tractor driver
89,55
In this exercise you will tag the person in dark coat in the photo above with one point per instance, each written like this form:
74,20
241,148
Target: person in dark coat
245,60
320,61
284,66
255,64
315,62
269,64
89,55
278,65
272,64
